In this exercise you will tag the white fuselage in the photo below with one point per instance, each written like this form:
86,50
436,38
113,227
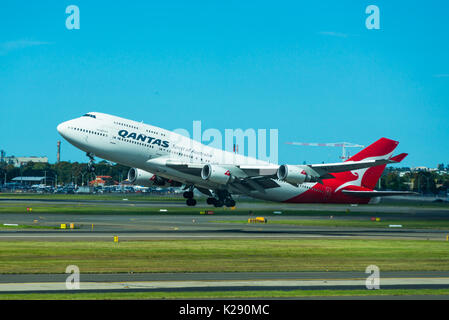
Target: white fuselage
147,147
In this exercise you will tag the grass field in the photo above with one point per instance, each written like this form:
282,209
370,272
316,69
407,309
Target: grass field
106,196
134,209
23,226
129,209
177,197
223,256
224,294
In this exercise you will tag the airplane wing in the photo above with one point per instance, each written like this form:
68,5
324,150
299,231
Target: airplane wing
240,171
251,170
184,167
246,178
254,177
247,185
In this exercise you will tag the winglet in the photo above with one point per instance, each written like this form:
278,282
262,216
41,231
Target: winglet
399,157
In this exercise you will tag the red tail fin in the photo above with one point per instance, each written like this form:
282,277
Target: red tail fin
381,149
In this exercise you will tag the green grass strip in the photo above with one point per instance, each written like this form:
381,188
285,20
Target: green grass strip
234,255
225,294
23,226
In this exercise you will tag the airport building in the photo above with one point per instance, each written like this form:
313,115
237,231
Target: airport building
20,161
29,180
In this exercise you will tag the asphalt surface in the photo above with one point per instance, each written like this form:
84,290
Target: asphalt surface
138,227
225,276
387,207
196,226
203,282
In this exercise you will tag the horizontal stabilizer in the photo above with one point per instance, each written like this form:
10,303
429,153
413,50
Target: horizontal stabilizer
399,157
323,169
372,194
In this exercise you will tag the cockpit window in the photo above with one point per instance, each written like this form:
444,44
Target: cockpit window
90,115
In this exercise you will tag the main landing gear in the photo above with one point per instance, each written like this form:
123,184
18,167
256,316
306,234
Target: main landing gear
189,196
222,197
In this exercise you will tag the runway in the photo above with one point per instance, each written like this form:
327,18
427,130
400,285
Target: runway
94,227
408,208
193,225
239,281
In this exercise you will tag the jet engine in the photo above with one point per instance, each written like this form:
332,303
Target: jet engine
215,174
146,179
293,174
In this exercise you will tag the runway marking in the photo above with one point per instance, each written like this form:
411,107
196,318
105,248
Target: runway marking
70,237
57,286
164,236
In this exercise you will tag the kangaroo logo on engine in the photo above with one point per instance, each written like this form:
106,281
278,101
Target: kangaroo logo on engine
143,138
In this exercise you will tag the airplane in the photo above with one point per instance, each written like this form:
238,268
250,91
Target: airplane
163,158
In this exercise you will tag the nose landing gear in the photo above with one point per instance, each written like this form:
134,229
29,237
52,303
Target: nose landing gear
91,164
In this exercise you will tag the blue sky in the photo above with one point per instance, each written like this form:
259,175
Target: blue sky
311,70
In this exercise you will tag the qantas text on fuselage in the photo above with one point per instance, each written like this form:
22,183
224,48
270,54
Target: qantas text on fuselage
164,158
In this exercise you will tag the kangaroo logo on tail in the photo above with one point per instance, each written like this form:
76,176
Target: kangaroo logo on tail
368,177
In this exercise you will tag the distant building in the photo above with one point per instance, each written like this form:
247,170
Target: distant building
29,180
103,181
20,161
403,173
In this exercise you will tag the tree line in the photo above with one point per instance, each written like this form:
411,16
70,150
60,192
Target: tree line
64,172
426,182
67,173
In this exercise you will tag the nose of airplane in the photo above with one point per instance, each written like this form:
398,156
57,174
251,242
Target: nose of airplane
62,127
